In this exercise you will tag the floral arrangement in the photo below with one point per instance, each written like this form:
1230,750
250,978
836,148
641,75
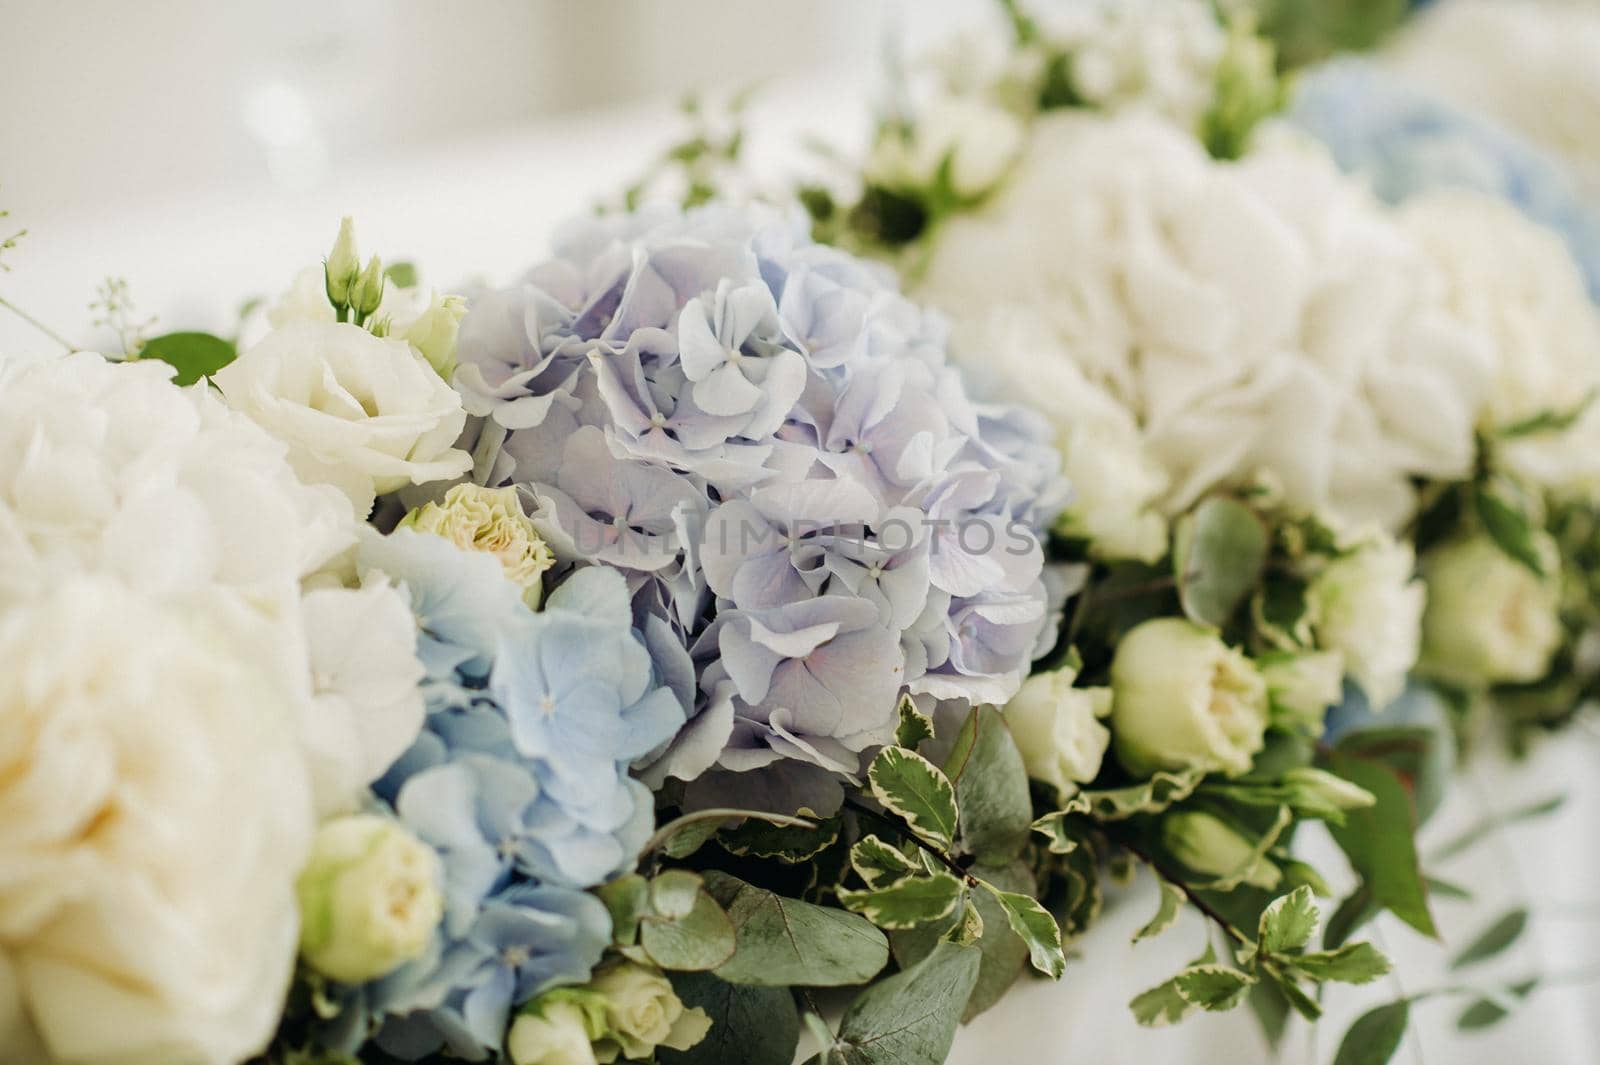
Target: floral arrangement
706,650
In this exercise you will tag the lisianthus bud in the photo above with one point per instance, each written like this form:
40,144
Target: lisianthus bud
642,1013
1490,619
1184,699
557,1028
368,291
1211,846
490,520
1056,728
369,898
1328,789
343,268
1303,686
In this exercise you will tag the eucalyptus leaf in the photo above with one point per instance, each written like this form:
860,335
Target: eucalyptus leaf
695,941
627,898
674,893
750,1025
991,785
1495,939
1375,1036
911,787
906,903
195,355
910,1018
1218,552
784,942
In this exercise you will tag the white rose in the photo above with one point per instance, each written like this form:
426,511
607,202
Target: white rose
366,706
642,1013
1490,619
156,810
1303,686
369,898
363,413
1183,699
1264,317
555,1032
1057,729
1368,605
979,141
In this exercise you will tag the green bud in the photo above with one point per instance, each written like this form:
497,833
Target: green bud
1211,846
369,898
1247,89
1326,789
368,291
343,266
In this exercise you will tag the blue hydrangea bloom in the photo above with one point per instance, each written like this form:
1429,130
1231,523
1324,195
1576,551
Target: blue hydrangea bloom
764,437
520,781
1406,143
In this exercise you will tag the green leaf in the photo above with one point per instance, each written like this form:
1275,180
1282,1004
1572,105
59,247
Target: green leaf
1548,421
1354,963
879,864
914,727
787,843
695,940
1005,955
1214,988
1380,843
1160,1005
1493,822
784,942
684,835
1493,940
1166,912
674,893
906,903
1294,995
1257,858
750,1025
1081,896
1350,915
1510,529
910,1018
910,786
1288,922
821,1033
1489,1011
1375,1036
1271,1008
1037,928
1118,804
991,785
1421,756
628,899
403,274
1446,889
195,355
1218,551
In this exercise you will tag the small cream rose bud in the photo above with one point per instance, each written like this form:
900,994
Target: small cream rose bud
642,1013
1056,727
490,520
556,1029
369,898
1184,699
1211,846
343,267
1490,619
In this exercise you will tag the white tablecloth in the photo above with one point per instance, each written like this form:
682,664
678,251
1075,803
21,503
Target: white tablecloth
484,209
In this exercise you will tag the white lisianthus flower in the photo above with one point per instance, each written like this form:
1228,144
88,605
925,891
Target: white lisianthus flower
1367,605
1209,845
1303,686
1490,619
1057,729
1265,317
554,1032
977,140
490,520
156,811
427,321
1516,282
642,1013
363,413
1183,699
369,898
367,707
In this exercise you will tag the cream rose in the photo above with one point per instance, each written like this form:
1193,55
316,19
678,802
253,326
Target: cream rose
1057,728
156,811
642,1013
490,520
555,1031
1490,620
1367,605
1183,699
369,898
363,413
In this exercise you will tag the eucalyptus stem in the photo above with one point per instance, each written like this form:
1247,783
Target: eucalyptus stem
40,326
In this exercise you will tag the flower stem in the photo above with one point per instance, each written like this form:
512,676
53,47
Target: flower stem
40,326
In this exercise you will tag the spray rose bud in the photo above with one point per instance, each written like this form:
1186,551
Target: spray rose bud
557,1028
343,268
1490,619
1184,699
642,1013
369,898
1056,727
1211,846
490,520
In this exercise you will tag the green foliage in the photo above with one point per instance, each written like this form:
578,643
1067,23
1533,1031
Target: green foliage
1246,91
1288,922
911,787
1004,954
1487,1011
195,355
1494,822
761,838
785,942
1354,963
1034,926
1511,528
1118,804
402,274
1495,939
684,928
914,727
1380,843
879,864
628,899
910,1018
1375,1036
749,1024
1218,551
1166,915
907,902
1306,31
991,785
